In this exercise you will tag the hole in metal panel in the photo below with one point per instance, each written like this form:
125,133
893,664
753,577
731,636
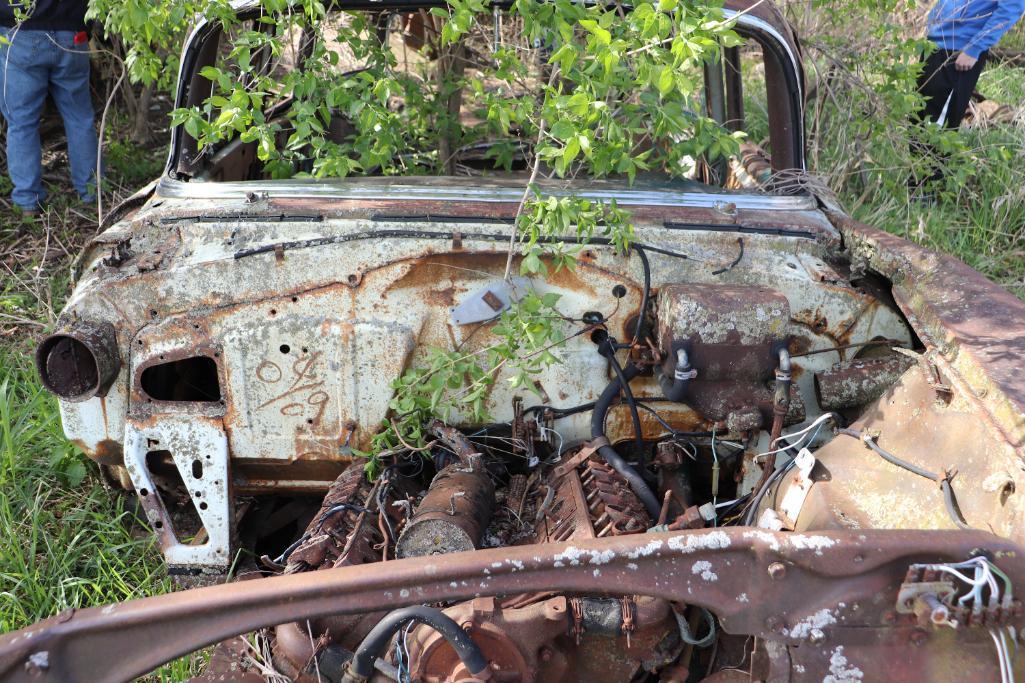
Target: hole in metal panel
191,379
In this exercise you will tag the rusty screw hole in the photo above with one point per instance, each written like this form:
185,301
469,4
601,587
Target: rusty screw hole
143,492
273,311
158,525
353,278
309,420
203,506
284,348
294,299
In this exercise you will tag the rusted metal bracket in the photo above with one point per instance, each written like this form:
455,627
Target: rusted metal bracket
826,596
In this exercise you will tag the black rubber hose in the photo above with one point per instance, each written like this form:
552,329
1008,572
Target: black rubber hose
675,388
691,639
362,664
645,295
889,457
949,499
609,454
953,509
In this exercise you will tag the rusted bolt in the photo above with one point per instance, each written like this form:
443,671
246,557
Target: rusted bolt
546,654
777,570
918,637
774,624
817,636
353,279
467,626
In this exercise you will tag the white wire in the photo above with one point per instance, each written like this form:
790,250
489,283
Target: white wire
1001,656
986,574
715,458
803,433
819,420
1007,654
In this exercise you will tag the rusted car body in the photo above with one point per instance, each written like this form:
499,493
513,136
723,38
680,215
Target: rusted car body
231,343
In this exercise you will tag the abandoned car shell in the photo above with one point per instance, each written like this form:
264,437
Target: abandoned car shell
231,345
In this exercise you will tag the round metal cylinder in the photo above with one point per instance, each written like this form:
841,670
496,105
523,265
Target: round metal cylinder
859,382
79,361
452,516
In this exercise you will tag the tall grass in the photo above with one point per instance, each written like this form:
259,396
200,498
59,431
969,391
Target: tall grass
67,542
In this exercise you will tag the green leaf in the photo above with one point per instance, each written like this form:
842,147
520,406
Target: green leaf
563,130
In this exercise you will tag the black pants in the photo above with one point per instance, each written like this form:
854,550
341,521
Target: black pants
940,79
939,82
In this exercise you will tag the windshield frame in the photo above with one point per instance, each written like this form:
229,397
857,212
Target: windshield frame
784,76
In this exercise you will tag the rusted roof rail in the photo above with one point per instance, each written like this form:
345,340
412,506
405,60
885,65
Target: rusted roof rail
818,590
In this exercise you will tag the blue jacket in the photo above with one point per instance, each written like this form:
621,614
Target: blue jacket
972,26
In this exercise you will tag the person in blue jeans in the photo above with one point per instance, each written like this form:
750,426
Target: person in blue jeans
45,52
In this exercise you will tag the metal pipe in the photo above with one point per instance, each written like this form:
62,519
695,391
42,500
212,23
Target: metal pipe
79,361
860,382
452,516
780,406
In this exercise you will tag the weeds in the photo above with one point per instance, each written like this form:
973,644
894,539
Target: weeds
68,542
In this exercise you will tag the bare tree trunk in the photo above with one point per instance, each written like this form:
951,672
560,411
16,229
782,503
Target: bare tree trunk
140,129
450,68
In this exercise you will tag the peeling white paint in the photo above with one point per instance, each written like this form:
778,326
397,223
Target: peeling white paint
575,556
715,540
803,628
840,670
743,598
704,568
647,549
816,543
769,539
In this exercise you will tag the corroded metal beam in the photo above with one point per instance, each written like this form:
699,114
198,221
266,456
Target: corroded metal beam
818,590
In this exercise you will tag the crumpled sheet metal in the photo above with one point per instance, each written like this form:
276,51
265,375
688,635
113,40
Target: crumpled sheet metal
976,327
834,598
